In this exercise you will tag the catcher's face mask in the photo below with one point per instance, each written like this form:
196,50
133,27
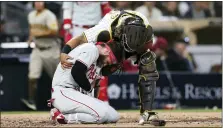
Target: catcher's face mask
135,36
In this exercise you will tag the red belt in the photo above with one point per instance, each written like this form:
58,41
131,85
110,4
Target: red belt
84,26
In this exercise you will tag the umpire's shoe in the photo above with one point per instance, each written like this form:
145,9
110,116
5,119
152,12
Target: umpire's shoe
29,104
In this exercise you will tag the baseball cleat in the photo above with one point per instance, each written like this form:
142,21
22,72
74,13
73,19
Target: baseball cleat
29,104
54,113
147,117
57,116
61,119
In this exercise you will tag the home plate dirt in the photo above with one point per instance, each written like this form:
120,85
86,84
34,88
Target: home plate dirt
128,119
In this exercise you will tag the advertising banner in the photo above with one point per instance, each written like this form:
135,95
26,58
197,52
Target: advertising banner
192,90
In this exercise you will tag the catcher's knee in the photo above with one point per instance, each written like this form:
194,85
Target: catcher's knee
147,67
147,64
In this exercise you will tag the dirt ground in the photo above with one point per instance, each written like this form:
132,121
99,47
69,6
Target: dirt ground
128,119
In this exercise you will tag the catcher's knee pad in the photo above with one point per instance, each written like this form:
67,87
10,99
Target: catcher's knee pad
148,76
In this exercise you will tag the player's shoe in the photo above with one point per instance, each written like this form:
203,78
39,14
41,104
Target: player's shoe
54,113
148,116
61,119
29,104
57,116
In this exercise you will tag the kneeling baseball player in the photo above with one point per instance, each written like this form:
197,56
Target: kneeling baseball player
72,106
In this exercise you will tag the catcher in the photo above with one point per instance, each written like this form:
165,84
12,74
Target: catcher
72,106
133,33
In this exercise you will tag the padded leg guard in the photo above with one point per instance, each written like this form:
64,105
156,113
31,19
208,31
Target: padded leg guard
148,76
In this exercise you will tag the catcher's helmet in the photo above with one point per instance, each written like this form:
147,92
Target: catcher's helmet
132,32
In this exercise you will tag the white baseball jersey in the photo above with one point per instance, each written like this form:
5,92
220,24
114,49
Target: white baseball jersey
105,24
40,22
83,13
86,53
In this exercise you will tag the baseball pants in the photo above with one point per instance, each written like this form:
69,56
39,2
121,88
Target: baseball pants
47,59
80,108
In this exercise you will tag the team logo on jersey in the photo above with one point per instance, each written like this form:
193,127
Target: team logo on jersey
91,72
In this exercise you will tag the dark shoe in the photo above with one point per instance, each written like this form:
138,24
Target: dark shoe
29,104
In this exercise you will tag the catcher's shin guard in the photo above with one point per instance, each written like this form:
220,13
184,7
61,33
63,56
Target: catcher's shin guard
148,76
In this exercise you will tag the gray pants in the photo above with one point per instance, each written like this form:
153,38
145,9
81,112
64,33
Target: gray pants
77,107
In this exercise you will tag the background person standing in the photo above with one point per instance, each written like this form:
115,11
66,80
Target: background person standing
43,31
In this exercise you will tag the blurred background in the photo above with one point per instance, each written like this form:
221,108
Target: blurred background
187,42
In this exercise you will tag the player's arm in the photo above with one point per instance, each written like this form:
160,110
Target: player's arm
30,38
78,40
47,32
94,34
78,72
67,15
67,20
85,59
90,35
71,44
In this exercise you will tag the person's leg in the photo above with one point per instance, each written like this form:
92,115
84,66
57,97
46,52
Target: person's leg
35,69
87,109
148,75
80,118
50,59
112,115
32,89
